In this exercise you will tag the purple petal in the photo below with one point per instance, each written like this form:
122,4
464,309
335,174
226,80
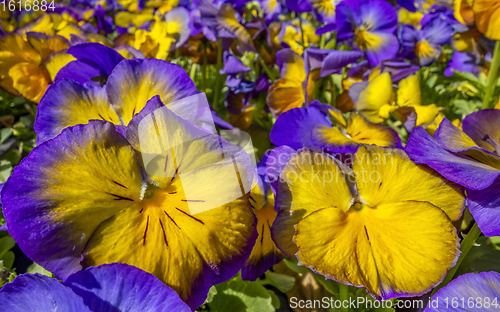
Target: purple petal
484,206
407,4
437,32
121,287
467,289
81,72
387,49
336,60
424,149
398,69
486,121
294,127
464,62
35,292
379,14
232,65
298,6
102,56
30,216
275,163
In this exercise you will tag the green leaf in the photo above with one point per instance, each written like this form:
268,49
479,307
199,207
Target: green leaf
211,293
282,282
8,259
482,258
292,265
276,301
36,268
466,107
6,243
241,296
5,170
5,133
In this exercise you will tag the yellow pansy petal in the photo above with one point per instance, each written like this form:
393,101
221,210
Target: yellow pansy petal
487,16
384,176
14,50
310,181
71,29
385,248
45,45
226,17
284,95
409,92
69,103
291,66
426,113
377,94
338,117
182,250
29,80
56,61
364,132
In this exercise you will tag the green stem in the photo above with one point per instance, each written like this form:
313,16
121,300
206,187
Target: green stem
204,69
492,76
218,76
192,72
344,296
302,31
465,247
267,70
322,41
332,91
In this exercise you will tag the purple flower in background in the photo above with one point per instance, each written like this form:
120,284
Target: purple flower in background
407,4
425,43
298,6
480,292
469,158
464,62
369,26
113,287
272,9
234,69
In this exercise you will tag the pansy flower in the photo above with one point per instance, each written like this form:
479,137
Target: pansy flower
477,292
291,36
223,22
109,287
470,158
426,43
369,26
264,254
95,197
28,66
164,34
325,10
271,9
465,62
310,127
362,227
375,100
288,91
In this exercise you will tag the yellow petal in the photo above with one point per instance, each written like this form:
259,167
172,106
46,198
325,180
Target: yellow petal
14,50
309,182
409,92
56,61
426,113
377,94
384,248
29,80
338,117
487,16
385,176
47,45
284,95
364,132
